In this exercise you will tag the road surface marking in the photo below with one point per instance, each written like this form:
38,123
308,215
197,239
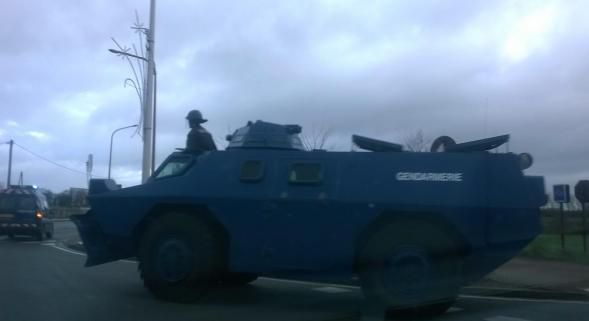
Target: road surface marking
504,318
80,253
312,283
497,298
332,289
505,289
587,289
454,309
66,250
464,296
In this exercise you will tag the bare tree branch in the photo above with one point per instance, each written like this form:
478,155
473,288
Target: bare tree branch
417,142
316,138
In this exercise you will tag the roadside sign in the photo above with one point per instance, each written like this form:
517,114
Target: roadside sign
561,193
582,191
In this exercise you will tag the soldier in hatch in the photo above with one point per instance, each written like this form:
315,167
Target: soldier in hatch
199,139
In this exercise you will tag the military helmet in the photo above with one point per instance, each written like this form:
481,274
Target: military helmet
196,116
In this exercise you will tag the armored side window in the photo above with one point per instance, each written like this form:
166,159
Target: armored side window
174,166
305,173
252,171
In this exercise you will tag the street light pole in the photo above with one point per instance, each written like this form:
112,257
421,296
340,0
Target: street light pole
10,142
146,92
148,98
110,151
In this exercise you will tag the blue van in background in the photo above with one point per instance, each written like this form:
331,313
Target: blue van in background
24,211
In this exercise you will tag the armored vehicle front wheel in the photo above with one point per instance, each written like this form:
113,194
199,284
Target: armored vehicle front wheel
410,269
180,257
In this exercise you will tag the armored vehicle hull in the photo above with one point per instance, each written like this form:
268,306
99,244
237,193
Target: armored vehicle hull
414,227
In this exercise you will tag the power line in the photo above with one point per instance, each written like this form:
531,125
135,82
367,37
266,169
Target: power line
48,160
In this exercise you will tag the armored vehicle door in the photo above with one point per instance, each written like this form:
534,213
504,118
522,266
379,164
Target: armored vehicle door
299,212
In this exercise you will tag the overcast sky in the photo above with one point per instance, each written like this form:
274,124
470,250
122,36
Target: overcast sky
379,68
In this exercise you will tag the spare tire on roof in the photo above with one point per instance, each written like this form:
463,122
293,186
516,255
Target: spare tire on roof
442,143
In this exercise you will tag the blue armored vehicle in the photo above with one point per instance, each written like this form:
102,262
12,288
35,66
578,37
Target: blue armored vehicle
411,227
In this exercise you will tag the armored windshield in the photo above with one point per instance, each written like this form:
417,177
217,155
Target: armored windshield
175,165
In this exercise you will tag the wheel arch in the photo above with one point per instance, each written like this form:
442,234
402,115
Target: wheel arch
197,210
402,217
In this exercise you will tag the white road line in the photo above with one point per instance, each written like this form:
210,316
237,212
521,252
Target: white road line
497,298
465,296
37,242
332,290
504,289
587,289
79,253
67,251
454,309
504,318
312,283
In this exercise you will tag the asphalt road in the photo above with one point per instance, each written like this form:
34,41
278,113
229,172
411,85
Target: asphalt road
46,281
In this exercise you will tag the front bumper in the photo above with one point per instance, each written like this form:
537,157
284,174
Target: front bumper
100,248
19,228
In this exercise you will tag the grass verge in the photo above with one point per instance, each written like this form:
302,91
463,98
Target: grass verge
548,246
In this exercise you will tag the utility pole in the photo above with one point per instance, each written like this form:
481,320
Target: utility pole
11,142
20,180
148,98
89,165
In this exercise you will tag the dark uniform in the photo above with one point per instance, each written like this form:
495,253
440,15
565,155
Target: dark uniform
199,139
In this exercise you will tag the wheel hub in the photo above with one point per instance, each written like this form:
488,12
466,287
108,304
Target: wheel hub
407,270
174,260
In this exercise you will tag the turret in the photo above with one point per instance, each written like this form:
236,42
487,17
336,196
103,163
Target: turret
264,135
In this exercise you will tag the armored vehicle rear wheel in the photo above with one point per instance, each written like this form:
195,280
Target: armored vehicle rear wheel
237,279
180,257
410,268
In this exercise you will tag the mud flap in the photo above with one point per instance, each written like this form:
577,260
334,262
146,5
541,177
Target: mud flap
95,242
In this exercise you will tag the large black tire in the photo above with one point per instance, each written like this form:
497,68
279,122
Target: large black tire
49,231
237,279
410,268
180,258
40,235
442,143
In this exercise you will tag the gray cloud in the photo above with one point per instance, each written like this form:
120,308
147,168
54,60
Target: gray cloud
384,69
